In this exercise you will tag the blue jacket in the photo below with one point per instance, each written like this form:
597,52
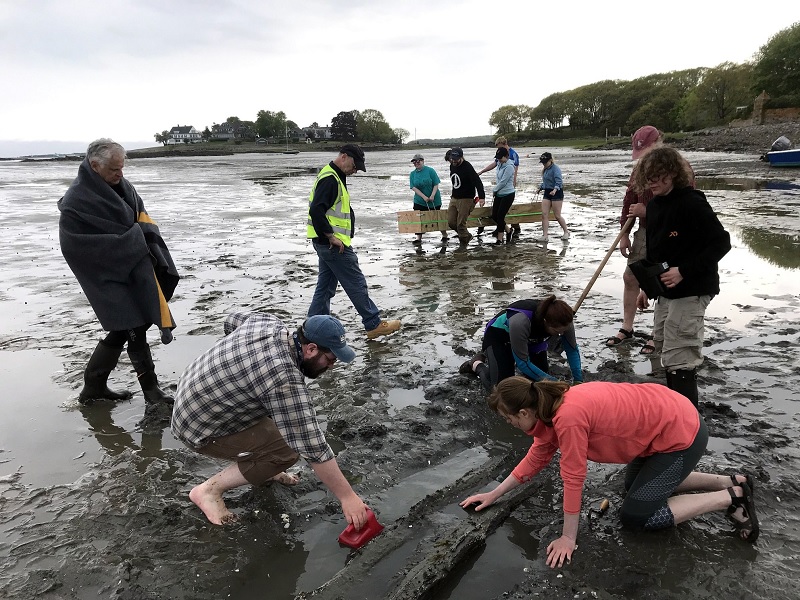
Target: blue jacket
551,178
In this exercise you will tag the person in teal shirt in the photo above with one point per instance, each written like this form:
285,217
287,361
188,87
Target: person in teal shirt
424,182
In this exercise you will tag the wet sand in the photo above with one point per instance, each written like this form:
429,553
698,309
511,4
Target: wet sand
94,499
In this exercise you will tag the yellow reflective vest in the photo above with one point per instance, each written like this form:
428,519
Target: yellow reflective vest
338,215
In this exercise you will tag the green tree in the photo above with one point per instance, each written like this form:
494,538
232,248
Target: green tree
371,126
400,135
206,135
162,137
777,67
550,113
343,126
714,99
511,118
270,124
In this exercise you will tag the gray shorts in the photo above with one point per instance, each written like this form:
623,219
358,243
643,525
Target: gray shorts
638,245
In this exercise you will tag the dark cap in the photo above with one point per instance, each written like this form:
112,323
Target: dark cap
501,153
328,332
546,156
356,153
456,153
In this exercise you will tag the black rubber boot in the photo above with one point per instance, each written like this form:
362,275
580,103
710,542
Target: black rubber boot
142,361
95,377
684,381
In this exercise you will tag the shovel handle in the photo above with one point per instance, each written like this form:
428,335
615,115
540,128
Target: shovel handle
623,231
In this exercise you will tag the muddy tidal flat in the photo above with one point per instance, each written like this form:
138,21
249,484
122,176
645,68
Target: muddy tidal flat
93,500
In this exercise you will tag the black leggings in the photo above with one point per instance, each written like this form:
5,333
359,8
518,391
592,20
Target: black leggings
135,338
500,208
650,481
497,348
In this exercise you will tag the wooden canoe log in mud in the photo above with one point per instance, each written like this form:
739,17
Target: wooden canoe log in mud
437,553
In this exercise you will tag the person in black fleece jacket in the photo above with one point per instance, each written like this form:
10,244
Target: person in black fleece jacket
467,185
684,233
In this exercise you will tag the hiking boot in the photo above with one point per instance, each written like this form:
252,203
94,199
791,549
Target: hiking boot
385,328
466,367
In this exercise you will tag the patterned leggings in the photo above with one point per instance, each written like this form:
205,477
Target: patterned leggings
651,480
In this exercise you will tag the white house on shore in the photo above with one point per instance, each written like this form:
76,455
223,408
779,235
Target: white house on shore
184,134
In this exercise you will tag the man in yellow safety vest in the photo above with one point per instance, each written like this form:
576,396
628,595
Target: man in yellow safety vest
330,227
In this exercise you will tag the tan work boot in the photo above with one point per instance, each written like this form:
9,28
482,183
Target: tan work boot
385,328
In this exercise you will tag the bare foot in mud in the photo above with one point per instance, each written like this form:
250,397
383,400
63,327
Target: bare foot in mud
286,478
211,504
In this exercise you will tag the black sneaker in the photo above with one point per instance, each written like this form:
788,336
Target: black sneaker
466,366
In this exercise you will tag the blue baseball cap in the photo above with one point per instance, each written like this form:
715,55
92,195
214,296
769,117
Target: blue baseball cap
328,332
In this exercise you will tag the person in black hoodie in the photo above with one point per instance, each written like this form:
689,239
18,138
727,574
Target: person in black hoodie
684,232
467,186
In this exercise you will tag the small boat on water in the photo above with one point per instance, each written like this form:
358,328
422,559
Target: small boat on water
784,158
291,152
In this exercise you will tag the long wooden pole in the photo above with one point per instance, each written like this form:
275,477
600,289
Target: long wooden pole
623,231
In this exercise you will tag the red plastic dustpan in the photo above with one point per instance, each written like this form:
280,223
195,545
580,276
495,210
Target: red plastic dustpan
355,539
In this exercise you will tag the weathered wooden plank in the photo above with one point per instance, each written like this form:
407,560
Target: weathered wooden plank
414,221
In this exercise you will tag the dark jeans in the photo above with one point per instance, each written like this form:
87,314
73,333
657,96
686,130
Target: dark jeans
500,208
335,268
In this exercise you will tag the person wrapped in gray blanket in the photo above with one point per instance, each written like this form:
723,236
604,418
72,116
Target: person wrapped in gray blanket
123,266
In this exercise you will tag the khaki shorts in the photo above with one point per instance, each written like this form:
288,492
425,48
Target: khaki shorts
678,328
260,451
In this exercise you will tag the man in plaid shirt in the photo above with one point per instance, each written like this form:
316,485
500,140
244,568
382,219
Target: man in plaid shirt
246,400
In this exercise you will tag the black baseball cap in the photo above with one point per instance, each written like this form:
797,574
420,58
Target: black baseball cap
456,153
545,157
356,153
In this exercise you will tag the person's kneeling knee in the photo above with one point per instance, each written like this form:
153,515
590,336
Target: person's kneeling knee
660,519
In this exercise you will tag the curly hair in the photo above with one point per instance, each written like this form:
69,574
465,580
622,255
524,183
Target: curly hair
659,162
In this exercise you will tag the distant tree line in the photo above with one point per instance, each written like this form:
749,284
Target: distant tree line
680,100
368,126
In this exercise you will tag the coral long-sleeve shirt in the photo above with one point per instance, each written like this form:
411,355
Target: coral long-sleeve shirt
608,423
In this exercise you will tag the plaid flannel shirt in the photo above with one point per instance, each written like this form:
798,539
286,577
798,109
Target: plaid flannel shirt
250,374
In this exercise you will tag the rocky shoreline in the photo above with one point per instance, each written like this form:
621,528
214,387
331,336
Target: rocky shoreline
747,139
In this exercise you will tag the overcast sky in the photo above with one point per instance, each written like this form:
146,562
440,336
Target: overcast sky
76,70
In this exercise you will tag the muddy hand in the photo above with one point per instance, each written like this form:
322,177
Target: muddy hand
560,550
355,511
477,502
